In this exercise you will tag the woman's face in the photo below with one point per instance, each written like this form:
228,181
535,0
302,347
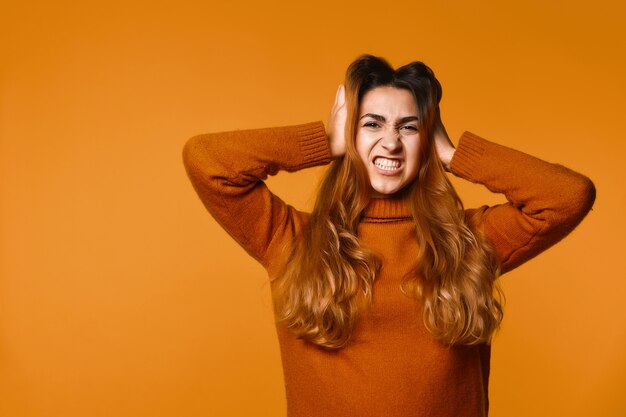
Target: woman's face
388,139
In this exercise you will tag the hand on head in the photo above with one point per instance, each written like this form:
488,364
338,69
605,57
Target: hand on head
336,126
443,144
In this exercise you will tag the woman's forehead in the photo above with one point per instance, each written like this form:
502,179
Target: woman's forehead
389,102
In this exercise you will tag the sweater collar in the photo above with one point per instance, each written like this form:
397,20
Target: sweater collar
387,209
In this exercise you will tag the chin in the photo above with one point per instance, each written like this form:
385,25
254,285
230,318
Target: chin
384,192
388,192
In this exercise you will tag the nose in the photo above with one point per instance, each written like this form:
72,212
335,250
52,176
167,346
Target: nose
391,141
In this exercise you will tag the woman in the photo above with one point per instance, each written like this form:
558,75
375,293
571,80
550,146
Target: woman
385,295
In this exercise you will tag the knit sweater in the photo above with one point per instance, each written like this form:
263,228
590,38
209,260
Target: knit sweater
392,366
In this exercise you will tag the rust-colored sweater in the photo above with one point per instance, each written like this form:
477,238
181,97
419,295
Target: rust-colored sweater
392,367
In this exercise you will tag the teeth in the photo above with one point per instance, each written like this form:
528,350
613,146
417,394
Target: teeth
388,164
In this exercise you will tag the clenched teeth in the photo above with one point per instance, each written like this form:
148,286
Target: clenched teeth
388,164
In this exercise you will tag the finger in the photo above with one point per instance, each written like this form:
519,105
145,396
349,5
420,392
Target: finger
341,95
337,93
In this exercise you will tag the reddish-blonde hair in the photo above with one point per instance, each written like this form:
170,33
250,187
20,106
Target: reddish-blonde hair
328,275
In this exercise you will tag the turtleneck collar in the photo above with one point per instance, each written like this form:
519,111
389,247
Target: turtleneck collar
387,209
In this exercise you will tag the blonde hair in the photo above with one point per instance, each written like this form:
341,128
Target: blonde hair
328,275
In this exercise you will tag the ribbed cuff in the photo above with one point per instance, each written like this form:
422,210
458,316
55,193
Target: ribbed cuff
468,154
313,144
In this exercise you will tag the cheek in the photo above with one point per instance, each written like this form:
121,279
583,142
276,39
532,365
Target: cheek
362,148
413,153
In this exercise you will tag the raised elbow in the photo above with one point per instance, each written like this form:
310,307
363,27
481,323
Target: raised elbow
191,153
585,195
200,157
581,194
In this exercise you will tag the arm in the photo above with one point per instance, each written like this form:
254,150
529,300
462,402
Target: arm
545,201
227,171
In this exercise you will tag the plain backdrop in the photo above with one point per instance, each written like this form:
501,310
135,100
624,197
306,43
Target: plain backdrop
121,296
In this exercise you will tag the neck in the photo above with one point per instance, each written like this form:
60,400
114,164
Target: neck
386,209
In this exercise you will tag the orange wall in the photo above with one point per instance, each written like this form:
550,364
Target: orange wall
120,296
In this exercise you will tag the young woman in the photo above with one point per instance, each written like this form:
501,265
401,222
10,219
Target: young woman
385,295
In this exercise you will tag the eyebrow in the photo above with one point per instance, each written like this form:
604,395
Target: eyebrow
382,118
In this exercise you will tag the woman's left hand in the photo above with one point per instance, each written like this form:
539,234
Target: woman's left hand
443,144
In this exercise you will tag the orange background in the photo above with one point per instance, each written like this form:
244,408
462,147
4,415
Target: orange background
120,296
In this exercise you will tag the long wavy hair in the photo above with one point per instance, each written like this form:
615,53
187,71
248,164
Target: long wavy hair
328,274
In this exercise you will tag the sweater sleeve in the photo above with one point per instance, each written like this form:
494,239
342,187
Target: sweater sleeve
227,171
545,201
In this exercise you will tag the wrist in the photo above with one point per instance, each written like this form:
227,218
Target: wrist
335,147
446,157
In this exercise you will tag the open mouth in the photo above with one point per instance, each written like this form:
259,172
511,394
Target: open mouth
387,165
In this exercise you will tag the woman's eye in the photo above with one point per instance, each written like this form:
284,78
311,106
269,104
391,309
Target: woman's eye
409,127
370,124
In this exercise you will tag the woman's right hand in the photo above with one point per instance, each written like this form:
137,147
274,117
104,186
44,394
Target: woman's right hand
336,126
444,146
